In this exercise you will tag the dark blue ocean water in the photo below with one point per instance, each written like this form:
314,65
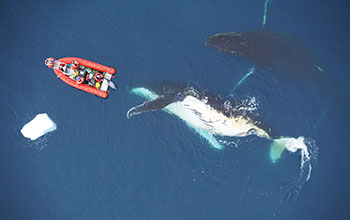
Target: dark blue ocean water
100,165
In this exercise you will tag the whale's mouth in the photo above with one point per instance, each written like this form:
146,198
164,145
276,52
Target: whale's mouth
216,42
224,42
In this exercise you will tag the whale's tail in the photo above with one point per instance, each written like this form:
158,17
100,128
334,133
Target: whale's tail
307,147
287,143
277,147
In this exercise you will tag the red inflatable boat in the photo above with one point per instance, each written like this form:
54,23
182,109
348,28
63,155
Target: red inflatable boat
83,74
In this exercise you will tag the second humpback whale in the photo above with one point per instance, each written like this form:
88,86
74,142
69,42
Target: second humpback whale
209,115
270,49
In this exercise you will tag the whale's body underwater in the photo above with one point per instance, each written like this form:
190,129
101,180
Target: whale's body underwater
275,51
208,115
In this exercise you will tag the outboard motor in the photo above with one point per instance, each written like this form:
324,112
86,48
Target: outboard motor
111,84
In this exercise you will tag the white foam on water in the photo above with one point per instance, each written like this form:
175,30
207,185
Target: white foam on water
308,156
40,125
308,153
250,104
294,144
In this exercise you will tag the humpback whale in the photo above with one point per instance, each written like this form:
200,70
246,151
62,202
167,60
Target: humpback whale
270,49
207,114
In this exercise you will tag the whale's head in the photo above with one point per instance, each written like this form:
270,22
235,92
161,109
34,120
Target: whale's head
231,42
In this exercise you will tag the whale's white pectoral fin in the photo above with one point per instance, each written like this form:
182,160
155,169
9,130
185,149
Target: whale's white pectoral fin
152,105
209,137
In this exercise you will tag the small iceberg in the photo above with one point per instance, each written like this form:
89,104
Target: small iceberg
39,126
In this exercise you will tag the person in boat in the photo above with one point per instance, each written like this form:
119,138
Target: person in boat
98,78
79,74
98,85
63,68
90,77
74,65
93,78
80,80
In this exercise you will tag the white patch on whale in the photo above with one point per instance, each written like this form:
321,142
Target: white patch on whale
174,109
205,120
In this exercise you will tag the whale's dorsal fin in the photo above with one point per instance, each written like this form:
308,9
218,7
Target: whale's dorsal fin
154,105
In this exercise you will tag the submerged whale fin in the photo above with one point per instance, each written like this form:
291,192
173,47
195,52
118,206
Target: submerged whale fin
153,105
209,137
276,149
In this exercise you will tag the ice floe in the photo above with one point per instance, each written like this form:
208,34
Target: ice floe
39,126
